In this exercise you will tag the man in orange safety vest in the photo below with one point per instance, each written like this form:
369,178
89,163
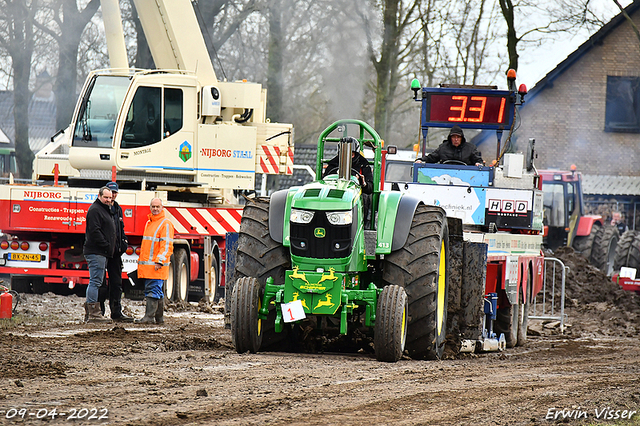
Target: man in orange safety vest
153,262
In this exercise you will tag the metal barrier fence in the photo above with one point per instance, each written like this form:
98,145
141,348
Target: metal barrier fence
547,299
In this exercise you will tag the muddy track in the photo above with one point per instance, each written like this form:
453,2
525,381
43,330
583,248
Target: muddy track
186,372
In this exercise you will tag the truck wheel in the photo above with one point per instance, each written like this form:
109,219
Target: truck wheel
625,253
584,245
604,249
246,326
506,322
390,332
213,286
181,276
170,283
422,268
261,257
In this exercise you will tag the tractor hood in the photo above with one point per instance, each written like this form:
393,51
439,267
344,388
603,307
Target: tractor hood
329,194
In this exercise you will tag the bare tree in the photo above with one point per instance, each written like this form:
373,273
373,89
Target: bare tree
552,17
395,46
17,27
275,78
70,22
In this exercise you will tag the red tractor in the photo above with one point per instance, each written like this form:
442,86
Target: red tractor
565,223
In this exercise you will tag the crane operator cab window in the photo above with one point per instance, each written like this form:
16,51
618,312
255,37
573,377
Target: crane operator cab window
149,119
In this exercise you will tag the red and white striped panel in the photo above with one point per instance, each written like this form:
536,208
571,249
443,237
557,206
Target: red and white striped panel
270,159
204,221
289,165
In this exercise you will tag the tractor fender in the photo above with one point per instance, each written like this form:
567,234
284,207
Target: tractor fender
586,223
277,206
404,217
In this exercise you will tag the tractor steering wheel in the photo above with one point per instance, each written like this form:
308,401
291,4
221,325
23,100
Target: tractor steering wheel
454,162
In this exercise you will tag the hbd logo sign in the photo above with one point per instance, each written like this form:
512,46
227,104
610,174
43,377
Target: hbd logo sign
508,206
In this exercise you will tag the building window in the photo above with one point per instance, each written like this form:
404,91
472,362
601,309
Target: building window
623,105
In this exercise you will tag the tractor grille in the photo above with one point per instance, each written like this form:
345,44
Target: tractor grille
306,239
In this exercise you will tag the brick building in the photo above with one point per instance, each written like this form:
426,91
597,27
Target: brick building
586,112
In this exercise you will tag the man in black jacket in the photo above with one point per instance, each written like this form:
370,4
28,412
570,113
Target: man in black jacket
455,148
99,245
114,264
358,163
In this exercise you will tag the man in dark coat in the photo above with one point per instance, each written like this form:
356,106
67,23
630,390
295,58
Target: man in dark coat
456,148
114,264
99,245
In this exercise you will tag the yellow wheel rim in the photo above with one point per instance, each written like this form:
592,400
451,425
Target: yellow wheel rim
442,271
259,320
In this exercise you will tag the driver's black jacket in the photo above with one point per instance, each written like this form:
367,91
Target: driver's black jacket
360,164
466,152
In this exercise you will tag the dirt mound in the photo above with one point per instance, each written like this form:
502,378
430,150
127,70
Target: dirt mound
597,305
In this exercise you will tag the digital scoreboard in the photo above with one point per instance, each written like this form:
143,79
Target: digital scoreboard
468,108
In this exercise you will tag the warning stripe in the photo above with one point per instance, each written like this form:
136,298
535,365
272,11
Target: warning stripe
271,154
201,221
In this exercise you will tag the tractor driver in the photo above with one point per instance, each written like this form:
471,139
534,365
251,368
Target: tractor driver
358,163
455,148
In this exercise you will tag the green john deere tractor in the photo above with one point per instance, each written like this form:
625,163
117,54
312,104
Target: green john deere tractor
326,259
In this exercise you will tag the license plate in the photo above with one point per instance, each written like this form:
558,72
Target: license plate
25,257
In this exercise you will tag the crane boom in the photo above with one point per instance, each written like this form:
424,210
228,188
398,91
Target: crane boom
174,37
114,33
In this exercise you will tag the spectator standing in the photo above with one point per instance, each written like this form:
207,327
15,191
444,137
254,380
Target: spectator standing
618,222
153,262
114,264
99,245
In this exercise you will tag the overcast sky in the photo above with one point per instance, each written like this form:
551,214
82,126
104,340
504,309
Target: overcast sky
536,63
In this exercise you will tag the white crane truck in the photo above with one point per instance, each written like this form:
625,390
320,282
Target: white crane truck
176,132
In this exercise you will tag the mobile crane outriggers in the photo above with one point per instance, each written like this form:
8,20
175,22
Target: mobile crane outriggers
176,132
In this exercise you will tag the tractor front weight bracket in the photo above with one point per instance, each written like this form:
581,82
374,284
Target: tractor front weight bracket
274,294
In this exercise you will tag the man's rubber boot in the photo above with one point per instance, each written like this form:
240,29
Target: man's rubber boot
94,314
86,312
116,312
149,315
160,312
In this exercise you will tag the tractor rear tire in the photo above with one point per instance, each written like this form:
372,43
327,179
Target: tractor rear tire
627,252
506,322
260,257
584,245
246,326
390,333
422,268
604,249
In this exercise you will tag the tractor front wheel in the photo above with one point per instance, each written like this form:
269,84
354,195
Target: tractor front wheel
390,333
246,326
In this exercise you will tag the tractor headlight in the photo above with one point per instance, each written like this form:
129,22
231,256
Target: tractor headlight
339,218
301,216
